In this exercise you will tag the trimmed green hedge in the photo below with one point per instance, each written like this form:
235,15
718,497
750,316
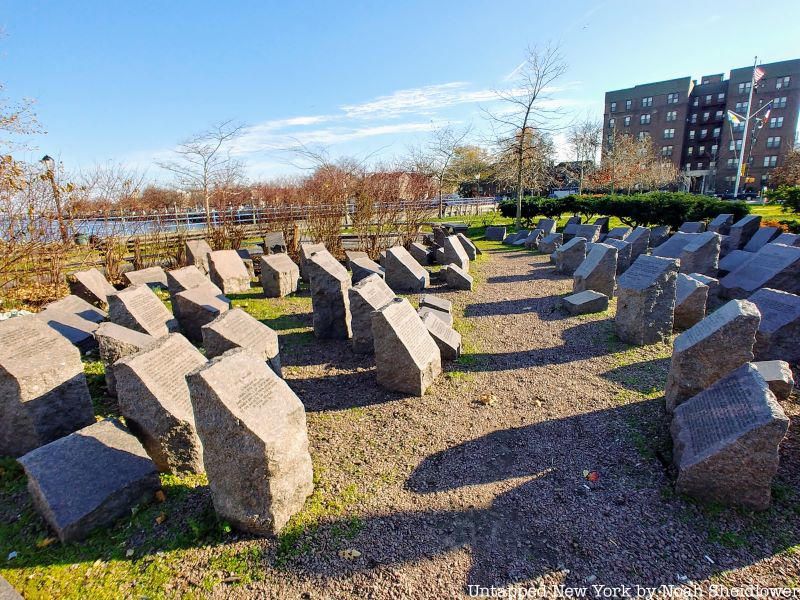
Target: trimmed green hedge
647,210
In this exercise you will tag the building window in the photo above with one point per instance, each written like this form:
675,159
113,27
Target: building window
610,139
696,102
672,115
718,115
611,122
627,121
701,150
693,118
738,127
643,135
721,97
714,149
672,98
779,102
666,151
706,116
774,142
703,133
690,151
735,144
744,88
770,161
708,98
648,101
741,107
613,107
691,134
669,134
783,82
731,163
775,122
698,165
644,119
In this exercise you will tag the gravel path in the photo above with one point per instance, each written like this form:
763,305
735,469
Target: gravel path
443,492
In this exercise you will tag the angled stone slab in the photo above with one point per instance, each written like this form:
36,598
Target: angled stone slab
197,252
569,256
588,301
721,224
725,441
495,234
778,335
597,271
691,299
180,280
779,377
274,243
717,345
352,255
447,339
570,231
403,273
407,358
155,277
92,286
624,250
711,282
436,303
454,253
733,260
673,246
154,399
235,328
444,317
520,237
602,222
692,227
76,329
787,239
279,275
330,302
646,300
7,591
89,479
760,238
255,442
774,266
364,267
439,256
457,278
306,250
367,296
532,241
741,232
115,342
138,308
421,253
228,272
548,226
591,233
197,307
618,233
639,239
244,254
701,254
550,243
79,306
659,235
43,392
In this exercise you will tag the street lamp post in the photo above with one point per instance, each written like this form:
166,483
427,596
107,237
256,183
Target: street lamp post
49,165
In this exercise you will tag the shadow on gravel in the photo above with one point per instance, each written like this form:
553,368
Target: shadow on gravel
546,307
341,391
646,376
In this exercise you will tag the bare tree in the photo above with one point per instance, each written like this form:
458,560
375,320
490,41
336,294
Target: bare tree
584,140
530,109
203,159
533,169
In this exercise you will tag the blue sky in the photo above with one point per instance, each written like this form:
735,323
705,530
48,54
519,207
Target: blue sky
125,82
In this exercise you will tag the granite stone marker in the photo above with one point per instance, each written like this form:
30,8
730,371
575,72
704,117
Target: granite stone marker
639,239
255,442
721,224
778,335
574,220
403,273
274,243
406,356
598,270
7,591
447,339
548,226
659,235
779,377
198,306
421,253
279,275
444,317
115,342
306,250
454,253
235,328
520,237
89,479
72,326
741,232
623,253
495,233
691,299
329,282
532,241
458,279
646,300
154,399
78,306
711,349
701,254
569,256
787,239
180,280
619,233
692,227
602,222
550,243
436,303
228,272
248,262
92,286
674,245
591,233
351,255
197,252
733,260
570,231
760,238
367,296
43,391
725,441
774,266
588,301
155,277
364,267
138,308
712,283
439,256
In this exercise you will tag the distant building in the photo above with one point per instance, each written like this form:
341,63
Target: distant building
687,122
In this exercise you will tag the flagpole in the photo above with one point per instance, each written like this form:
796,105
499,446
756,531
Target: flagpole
746,127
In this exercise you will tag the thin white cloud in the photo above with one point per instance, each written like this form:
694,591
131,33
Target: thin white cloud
421,100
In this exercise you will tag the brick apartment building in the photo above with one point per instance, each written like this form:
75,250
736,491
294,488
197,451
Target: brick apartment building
687,122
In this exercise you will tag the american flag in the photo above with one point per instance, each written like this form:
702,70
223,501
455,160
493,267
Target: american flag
758,74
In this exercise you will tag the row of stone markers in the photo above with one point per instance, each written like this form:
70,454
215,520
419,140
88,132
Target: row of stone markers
730,367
